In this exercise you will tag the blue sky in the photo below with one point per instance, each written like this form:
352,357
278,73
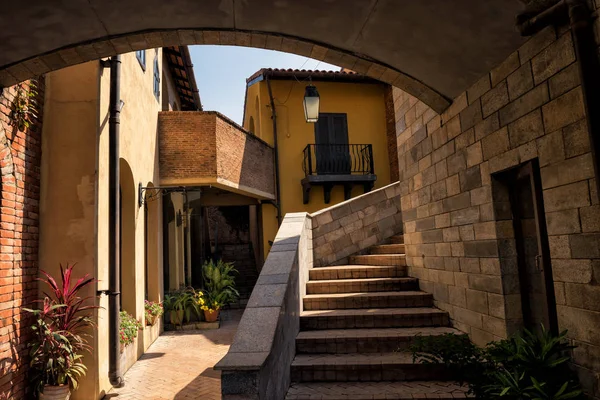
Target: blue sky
221,73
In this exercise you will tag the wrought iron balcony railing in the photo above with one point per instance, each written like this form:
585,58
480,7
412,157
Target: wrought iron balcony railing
338,159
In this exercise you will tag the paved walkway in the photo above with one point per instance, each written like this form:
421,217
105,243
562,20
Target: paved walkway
179,365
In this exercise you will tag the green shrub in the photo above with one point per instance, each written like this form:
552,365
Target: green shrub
527,366
219,285
181,304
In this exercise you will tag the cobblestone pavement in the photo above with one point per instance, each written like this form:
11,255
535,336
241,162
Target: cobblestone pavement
179,365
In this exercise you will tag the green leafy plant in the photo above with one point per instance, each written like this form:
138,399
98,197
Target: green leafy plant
219,285
128,328
152,310
24,108
181,304
526,366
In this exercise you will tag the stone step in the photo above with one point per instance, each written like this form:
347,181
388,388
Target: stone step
356,272
379,259
371,340
372,367
387,249
361,285
368,300
440,390
373,318
397,239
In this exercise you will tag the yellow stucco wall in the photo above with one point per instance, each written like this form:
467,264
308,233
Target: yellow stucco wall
74,200
365,108
68,186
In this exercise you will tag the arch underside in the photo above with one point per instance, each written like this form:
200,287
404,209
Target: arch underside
432,49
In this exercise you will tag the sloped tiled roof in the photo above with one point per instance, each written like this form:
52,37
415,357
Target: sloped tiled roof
317,75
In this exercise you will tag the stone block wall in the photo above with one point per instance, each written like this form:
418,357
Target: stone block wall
20,157
356,224
204,147
458,242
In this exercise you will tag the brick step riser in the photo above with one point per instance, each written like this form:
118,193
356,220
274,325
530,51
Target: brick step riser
373,321
368,373
353,345
363,273
368,302
396,249
360,287
399,261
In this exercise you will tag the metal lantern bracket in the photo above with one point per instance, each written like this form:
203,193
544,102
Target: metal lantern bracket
150,193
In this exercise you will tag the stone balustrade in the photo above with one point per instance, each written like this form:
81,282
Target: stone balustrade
356,224
257,365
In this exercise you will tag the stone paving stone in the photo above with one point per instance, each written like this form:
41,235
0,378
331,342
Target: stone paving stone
179,365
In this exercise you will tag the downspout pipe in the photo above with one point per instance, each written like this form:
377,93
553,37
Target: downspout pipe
581,19
114,222
276,153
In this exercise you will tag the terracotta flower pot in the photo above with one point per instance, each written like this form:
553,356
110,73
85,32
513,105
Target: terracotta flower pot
62,392
211,316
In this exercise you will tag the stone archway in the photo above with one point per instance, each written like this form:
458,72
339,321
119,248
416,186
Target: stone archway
433,50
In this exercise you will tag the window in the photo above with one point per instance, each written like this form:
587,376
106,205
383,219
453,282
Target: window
141,57
156,79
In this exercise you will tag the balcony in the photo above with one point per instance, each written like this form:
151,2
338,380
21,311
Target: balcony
205,148
328,165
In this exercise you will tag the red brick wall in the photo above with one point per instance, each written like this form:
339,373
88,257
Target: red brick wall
20,155
200,145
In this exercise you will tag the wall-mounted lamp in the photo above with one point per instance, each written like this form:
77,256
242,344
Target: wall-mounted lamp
311,104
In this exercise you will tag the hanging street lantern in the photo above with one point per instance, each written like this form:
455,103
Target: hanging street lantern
311,104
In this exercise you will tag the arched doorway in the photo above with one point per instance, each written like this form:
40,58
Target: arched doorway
129,278
152,247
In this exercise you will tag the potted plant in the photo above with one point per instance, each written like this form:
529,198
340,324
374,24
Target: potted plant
219,288
152,311
181,304
61,329
128,329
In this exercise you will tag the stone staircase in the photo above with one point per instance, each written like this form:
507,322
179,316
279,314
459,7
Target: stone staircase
357,324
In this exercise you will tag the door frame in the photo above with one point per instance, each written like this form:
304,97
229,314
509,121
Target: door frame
531,170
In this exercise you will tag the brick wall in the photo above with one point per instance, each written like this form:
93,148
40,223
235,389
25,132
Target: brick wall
458,240
204,145
356,224
20,155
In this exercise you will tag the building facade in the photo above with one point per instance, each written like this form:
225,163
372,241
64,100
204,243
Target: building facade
74,211
343,155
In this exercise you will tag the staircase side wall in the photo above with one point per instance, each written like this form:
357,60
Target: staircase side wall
355,225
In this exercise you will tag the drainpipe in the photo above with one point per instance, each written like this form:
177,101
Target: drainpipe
114,221
276,154
580,17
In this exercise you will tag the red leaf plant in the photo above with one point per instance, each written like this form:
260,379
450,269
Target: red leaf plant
65,308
